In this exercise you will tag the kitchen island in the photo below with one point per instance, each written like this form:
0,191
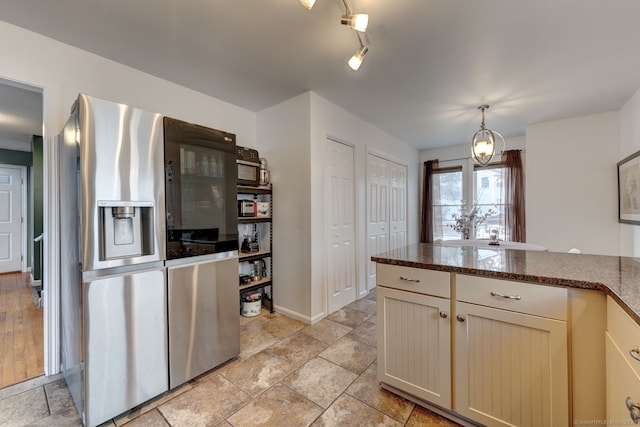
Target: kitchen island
494,336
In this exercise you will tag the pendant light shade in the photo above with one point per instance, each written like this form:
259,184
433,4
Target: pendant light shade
483,144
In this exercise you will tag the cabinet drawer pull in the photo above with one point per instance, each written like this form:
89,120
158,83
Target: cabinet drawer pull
634,410
499,295
635,353
406,279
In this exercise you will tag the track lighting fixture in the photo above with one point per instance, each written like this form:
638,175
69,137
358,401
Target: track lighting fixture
356,21
308,3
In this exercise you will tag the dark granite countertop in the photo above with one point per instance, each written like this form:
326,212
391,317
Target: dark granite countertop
616,276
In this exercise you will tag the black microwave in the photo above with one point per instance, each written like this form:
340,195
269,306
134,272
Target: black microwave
248,162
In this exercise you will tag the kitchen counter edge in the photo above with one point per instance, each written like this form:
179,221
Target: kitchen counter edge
552,269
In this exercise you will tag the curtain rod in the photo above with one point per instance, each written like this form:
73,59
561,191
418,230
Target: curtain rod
469,158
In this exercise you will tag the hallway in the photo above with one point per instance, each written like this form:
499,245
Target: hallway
21,331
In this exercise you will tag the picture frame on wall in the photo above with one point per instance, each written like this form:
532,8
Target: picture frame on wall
629,189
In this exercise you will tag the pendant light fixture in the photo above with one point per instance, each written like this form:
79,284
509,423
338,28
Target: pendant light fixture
483,144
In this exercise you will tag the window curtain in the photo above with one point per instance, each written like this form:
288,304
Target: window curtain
514,196
426,227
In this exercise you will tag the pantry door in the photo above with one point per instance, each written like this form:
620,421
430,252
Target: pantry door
377,212
340,230
398,206
386,209
11,218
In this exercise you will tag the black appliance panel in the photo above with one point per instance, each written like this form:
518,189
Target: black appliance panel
201,191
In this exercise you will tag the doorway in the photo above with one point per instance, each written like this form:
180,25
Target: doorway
21,215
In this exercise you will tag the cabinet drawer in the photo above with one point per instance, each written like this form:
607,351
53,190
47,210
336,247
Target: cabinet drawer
430,282
539,300
624,331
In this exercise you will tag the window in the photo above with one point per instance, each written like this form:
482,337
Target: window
482,185
498,186
447,194
489,194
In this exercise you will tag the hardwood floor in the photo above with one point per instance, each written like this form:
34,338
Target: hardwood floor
21,331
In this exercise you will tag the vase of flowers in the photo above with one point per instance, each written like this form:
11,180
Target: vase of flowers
468,219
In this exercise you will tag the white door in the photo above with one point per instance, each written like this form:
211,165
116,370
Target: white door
377,213
10,219
398,206
340,226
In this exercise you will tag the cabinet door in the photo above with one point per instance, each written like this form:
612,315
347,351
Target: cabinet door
622,382
511,368
414,344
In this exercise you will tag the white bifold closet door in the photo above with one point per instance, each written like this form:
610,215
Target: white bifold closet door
340,225
386,209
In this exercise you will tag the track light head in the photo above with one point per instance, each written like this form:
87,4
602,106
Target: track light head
356,60
358,21
308,3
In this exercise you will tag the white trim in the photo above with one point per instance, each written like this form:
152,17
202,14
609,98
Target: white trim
24,217
387,156
297,316
51,252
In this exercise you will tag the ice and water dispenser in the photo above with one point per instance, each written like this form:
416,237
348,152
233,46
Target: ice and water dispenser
127,229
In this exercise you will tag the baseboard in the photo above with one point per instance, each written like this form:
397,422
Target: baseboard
297,316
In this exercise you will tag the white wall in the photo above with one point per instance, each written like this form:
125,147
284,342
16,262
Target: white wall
329,120
64,71
284,142
571,194
292,136
629,144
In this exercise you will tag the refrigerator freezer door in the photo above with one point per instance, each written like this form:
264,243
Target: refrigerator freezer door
125,342
204,326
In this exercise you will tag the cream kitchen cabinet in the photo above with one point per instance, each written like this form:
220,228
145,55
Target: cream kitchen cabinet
623,366
479,350
511,353
414,339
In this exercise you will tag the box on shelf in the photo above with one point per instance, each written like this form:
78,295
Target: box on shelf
261,209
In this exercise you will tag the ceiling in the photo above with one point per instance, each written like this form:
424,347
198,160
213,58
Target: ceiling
430,62
20,115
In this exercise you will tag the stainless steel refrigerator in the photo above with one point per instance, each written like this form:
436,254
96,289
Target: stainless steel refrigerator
112,226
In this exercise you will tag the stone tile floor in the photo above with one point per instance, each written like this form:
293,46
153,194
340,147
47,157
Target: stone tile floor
288,373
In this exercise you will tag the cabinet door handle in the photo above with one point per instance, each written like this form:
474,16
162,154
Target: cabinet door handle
499,295
407,279
635,353
460,318
444,314
634,410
